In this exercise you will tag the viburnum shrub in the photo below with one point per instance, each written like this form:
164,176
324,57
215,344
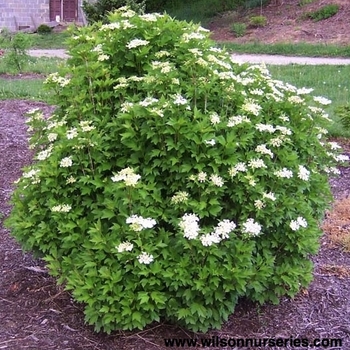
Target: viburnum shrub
171,181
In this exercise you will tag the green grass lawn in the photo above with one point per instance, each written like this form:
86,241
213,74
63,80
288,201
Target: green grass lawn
328,81
30,89
49,41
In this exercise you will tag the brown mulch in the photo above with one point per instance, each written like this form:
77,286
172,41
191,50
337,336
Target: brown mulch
37,314
286,23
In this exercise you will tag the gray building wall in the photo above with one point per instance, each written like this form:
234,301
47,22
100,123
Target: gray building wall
17,14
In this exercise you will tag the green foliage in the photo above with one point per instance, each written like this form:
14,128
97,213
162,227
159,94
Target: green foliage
324,12
170,181
239,29
258,21
99,10
343,112
44,29
305,2
16,46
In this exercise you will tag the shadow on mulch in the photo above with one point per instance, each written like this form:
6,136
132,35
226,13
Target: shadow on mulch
37,314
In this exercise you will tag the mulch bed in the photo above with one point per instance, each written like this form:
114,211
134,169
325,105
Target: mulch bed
37,314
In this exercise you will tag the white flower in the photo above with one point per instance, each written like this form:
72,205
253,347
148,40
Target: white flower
148,101
256,163
283,130
70,180
128,176
180,197
284,118
44,154
295,99
136,43
66,162
180,100
223,228
238,119
211,142
251,227
296,224
251,107
284,173
111,26
197,36
61,208
124,247
72,133
303,173
214,118
334,145
145,258
238,167
52,136
322,100
138,223
149,17
189,224
264,150
126,107
208,239
341,158
269,195
202,176
102,57
265,127
217,180
304,91
259,204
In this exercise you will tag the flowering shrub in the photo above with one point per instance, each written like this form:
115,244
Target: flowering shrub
171,181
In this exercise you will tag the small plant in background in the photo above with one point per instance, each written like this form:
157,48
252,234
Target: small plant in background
16,46
324,12
44,29
258,21
343,112
99,10
170,181
239,29
305,2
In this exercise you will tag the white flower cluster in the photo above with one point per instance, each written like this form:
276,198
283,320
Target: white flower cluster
322,100
284,173
265,127
251,227
86,125
138,223
214,118
296,99
269,195
180,197
110,26
239,167
303,173
136,43
211,142
128,176
57,79
150,17
189,224
256,163
259,204
251,107
33,175
103,57
148,101
179,100
72,133
145,258
71,180
52,136
61,208
165,67
192,36
42,155
296,224
264,150
66,162
304,91
277,141
236,120
221,231
124,247
217,180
